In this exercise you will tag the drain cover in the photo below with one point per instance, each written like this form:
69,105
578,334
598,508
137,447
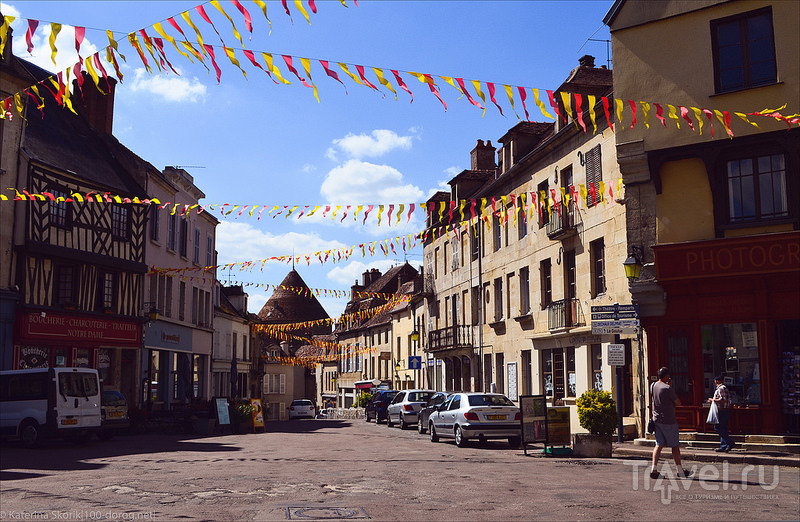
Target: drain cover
324,513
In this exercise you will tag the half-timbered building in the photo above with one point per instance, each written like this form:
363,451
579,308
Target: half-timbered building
78,258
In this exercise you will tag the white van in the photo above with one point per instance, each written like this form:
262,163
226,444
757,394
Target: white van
49,402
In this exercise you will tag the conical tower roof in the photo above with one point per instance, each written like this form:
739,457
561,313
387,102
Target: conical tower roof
293,302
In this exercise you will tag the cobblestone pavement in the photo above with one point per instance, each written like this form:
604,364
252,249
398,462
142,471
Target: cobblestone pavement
327,469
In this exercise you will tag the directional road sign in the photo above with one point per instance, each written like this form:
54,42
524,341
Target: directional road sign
414,362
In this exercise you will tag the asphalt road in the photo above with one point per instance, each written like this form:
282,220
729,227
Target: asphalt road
327,469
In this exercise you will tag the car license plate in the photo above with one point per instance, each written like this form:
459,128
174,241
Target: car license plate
115,414
496,417
69,421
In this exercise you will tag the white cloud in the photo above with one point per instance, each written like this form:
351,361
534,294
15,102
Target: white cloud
358,182
348,274
452,171
308,168
170,88
380,142
255,302
243,242
442,186
66,55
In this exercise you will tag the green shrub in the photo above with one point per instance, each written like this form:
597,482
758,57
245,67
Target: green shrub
362,400
597,412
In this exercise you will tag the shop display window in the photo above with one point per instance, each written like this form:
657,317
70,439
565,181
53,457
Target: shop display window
731,350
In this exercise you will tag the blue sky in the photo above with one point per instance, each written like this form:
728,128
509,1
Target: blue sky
252,142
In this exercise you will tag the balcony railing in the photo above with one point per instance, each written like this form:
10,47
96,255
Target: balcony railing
565,313
562,222
451,337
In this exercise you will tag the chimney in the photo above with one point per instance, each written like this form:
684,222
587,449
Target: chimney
97,108
482,156
365,278
586,60
375,274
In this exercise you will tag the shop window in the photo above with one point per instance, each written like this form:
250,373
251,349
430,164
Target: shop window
553,373
678,361
731,350
570,369
743,47
757,188
597,366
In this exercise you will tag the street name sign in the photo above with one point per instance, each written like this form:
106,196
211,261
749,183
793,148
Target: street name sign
615,319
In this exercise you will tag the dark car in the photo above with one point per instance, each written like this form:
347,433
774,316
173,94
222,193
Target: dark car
435,400
113,414
376,407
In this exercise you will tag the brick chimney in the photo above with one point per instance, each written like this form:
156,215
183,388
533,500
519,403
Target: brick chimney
97,108
586,60
482,156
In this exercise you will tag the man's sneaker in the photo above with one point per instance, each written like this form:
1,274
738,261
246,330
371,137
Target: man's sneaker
655,475
687,473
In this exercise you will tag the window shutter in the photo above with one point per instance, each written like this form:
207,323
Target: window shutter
594,173
283,386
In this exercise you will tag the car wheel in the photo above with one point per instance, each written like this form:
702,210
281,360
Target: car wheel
514,442
434,436
389,422
403,425
31,434
421,428
461,440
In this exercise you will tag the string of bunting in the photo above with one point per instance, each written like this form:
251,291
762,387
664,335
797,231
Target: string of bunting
566,105
594,193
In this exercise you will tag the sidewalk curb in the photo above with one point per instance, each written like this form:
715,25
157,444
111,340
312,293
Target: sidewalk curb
786,460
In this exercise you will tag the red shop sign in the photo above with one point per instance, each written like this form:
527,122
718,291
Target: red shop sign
57,327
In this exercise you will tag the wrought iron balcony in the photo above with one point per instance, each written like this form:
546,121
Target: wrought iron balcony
449,338
562,222
565,313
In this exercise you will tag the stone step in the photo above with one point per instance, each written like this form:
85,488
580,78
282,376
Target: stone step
739,439
741,445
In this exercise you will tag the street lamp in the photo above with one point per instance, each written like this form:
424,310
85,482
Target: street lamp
633,265
415,336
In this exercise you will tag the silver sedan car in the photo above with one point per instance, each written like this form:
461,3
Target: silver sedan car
405,407
479,416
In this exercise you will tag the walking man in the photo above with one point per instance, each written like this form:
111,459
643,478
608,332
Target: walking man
664,401
723,399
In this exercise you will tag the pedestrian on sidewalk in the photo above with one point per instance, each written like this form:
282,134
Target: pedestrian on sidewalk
664,401
723,400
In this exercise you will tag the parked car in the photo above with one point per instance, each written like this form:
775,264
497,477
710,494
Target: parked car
479,416
437,399
113,414
301,408
376,407
404,408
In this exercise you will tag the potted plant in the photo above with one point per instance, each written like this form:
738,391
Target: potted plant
597,413
241,415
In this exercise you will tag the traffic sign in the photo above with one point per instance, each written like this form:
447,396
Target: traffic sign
414,362
618,324
614,308
614,330
616,354
621,315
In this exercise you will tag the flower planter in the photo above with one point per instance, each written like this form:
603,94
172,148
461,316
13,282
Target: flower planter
591,445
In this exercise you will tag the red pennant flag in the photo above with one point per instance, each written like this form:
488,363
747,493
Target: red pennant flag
248,22
210,51
80,33
608,116
659,114
402,84
199,9
633,109
32,25
369,209
286,8
709,115
313,6
491,97
523,95
579,110
332,74
360,69
411,208
685,116
460,82
288,60
554,105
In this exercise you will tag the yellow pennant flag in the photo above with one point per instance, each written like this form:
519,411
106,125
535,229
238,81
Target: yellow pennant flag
620,107
215,3
93,74
673,114
646,112
54,30
234,61
170,39
477,85
399,213
351,75
540,104
567,106
307,67
263,6
592,115
449,80
19,105
744,117
511,98
273,69
384,81
35,89
721,119
302,10
4,31
699,115
185,16
113,43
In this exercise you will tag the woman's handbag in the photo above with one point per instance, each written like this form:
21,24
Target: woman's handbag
651,426
713,414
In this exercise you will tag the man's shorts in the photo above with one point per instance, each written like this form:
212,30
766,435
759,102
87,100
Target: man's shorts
667,435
